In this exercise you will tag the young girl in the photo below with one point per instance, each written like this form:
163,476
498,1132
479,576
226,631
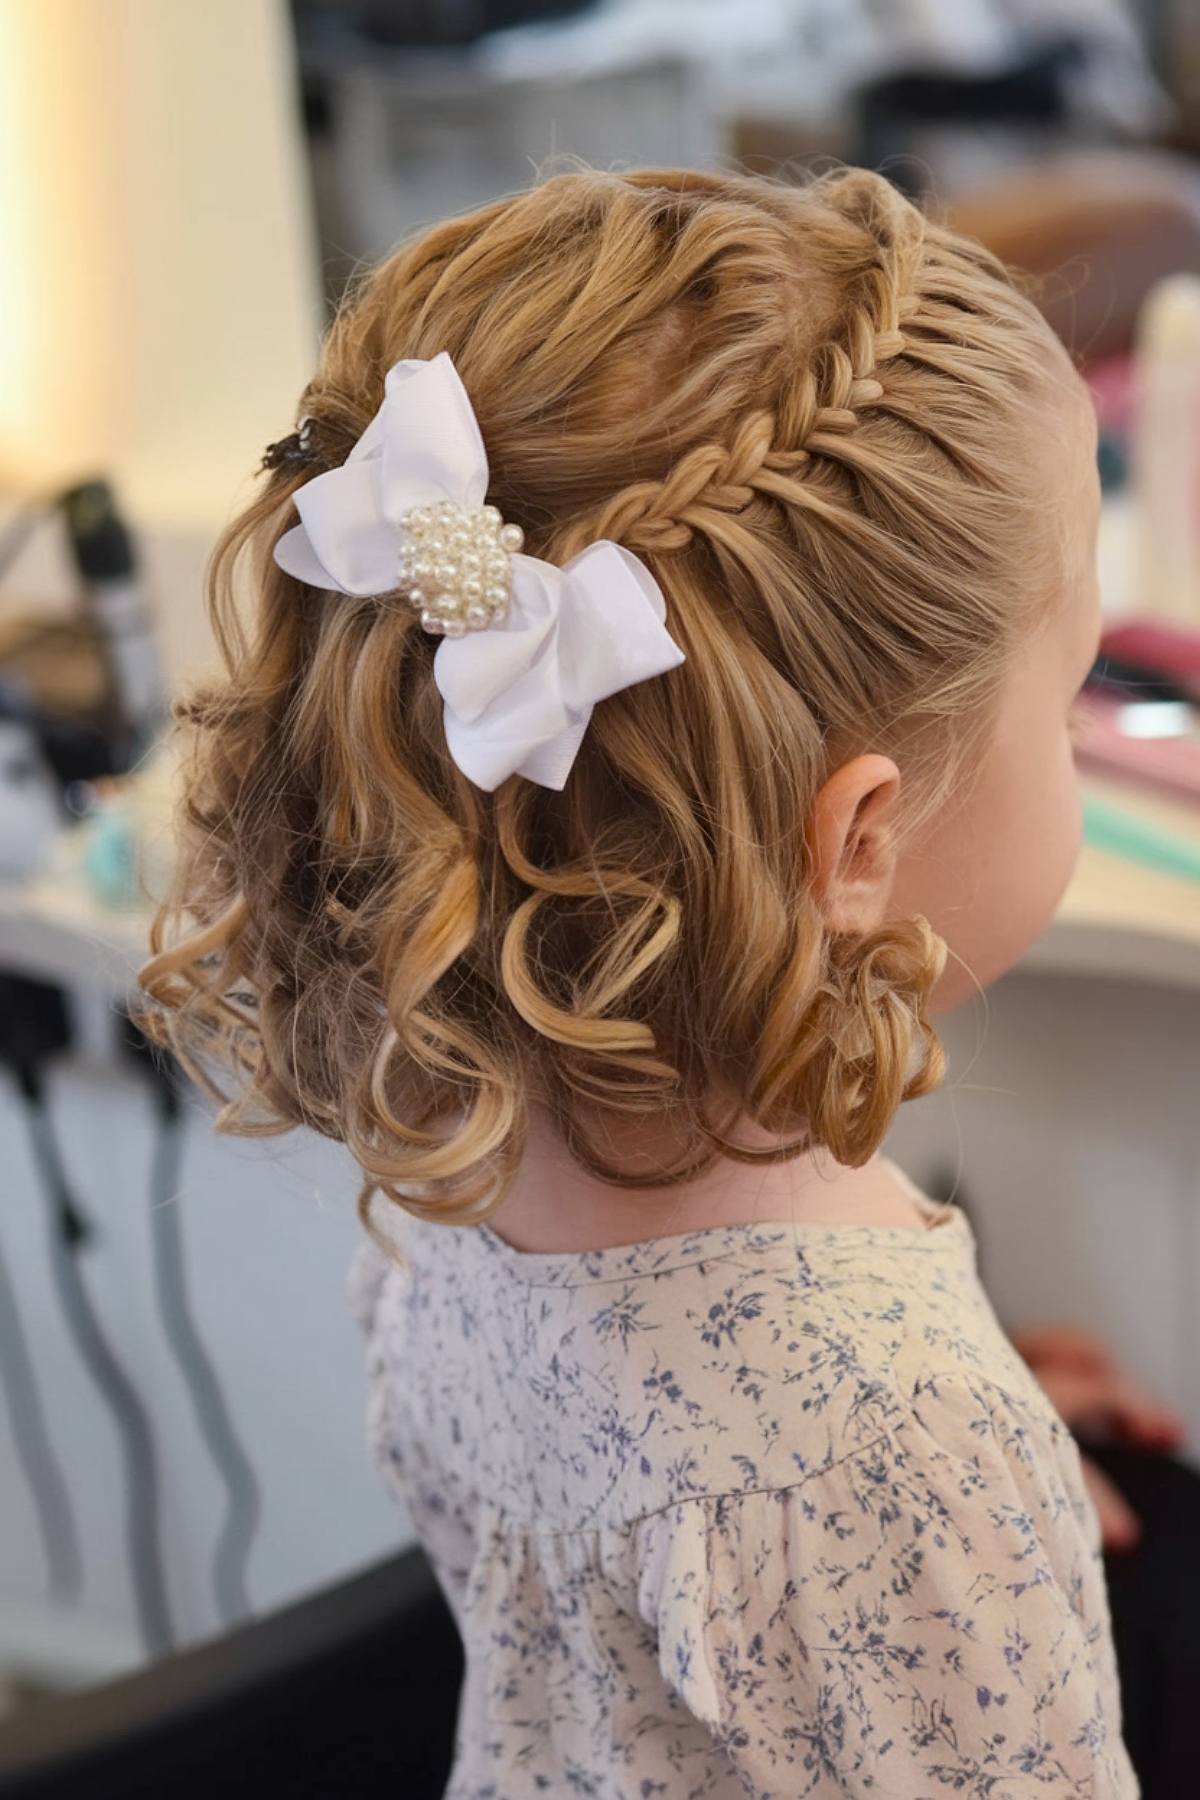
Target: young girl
655,705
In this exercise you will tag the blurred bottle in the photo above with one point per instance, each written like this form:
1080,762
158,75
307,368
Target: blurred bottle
113,594
1166,452
30,815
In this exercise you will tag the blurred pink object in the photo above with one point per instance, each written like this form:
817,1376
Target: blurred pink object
1162,647
1132,740
1113,386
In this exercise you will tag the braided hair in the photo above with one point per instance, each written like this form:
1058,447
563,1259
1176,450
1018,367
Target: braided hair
805,405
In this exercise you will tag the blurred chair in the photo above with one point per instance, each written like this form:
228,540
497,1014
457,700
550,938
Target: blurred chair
1027,93
1097,225
1097,229
352,1689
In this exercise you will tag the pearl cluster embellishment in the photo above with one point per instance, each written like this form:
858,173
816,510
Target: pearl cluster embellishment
456,565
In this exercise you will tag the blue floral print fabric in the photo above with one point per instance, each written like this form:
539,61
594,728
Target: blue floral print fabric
764,1509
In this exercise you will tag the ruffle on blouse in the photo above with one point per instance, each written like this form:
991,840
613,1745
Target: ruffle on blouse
911,1621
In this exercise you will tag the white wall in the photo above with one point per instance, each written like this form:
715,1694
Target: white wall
159,289
269,1228
1078,1131
160,286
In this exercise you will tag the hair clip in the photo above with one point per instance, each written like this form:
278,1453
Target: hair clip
527,648
298,447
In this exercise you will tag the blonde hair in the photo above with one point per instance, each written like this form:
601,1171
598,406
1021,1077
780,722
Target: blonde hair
805,407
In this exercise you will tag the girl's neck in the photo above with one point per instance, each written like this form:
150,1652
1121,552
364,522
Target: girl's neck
555,1206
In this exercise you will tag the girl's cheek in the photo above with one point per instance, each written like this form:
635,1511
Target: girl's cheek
1069,833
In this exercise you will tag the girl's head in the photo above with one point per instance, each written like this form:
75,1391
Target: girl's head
861,469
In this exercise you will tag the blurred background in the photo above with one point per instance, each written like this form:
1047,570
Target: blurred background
184,190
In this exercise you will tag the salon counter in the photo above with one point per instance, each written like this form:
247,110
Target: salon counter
1117,918
1121,920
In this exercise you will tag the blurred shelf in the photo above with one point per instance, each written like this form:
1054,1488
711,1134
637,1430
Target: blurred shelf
1117,920
54,931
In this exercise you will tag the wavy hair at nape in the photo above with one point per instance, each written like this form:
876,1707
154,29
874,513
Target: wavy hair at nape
806,406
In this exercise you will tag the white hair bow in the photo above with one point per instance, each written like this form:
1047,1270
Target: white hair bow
529,648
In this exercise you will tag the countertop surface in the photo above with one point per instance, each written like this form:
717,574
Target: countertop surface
1117,919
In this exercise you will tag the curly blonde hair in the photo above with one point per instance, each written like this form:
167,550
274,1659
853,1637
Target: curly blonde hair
804,406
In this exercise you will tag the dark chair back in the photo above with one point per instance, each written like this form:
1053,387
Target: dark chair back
353,1688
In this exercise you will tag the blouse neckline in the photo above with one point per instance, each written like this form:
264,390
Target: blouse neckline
946,1224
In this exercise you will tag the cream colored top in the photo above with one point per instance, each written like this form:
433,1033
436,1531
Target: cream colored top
770,1509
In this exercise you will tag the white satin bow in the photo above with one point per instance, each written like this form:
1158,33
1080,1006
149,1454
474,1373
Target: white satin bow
518,694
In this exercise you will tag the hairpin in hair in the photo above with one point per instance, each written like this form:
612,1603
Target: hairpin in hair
298,447
529,648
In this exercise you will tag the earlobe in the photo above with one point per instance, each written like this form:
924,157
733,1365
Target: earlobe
852,850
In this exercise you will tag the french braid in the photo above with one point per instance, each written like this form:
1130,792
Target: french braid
868,1043
844,376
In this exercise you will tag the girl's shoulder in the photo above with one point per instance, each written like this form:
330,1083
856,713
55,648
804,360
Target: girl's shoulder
798,1355
750,1356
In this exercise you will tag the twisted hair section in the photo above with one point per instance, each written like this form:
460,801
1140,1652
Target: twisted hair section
805,406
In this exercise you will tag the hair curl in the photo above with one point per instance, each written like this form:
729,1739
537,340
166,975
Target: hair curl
802,405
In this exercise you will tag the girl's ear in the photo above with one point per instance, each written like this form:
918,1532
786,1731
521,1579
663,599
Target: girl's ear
851,841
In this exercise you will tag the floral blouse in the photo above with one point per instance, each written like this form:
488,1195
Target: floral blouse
766,1508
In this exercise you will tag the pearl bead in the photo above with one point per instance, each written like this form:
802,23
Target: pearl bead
455,565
